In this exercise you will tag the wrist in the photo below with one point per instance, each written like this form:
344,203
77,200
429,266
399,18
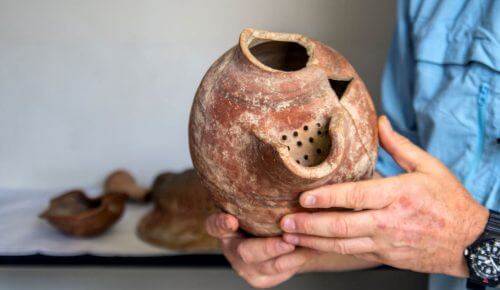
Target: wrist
473,229
332,262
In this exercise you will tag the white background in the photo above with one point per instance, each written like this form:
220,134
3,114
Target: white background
90,86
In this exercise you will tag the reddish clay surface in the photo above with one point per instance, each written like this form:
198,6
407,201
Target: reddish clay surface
274,116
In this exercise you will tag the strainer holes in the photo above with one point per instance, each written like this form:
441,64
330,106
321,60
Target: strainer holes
295,134
306,128
318,151
283,137
318,125
311,140
298,161
306,157
319,132
288,148
299,143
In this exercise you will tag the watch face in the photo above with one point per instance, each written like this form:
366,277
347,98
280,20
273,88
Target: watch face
485,259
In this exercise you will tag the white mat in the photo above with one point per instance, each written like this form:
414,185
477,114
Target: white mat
23,233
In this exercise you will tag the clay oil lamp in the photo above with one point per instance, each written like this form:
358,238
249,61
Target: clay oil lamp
75,214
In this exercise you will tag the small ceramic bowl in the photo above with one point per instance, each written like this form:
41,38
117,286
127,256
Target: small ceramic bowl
75,214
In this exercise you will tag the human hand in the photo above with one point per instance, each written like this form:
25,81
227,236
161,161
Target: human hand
262,262
422,220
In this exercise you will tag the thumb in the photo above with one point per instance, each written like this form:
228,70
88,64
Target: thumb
406,154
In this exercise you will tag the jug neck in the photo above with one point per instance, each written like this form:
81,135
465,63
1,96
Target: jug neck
276,51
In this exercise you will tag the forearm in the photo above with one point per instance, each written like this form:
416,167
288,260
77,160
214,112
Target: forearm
335,262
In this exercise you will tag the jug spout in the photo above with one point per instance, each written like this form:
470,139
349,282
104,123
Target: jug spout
302,161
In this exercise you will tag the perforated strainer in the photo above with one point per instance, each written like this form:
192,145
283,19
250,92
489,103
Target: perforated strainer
310,144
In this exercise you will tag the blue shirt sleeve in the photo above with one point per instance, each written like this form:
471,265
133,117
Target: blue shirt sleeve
397,89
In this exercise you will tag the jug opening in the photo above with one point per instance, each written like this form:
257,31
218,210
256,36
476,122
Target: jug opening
280,55
309,145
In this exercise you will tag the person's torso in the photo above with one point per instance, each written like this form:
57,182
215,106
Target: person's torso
456,49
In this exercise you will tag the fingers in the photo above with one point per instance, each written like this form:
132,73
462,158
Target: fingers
408,155
222,226
262,249
369,194
267,281
330,224
350,246
287,263
263,262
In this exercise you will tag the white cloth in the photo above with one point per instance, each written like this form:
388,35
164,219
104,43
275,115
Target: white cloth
23,233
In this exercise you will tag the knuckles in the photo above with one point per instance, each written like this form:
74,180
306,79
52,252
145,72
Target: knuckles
278,266
356,198
339,227
306,225
243,253
339,248
270,247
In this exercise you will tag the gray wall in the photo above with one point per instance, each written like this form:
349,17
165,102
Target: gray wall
89,86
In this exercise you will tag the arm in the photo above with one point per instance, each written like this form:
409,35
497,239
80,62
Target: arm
332,262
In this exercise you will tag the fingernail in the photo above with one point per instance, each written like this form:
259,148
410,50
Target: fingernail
284,247
292,239
310,200
289,224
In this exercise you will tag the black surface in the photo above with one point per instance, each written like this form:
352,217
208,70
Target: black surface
206,260
178,261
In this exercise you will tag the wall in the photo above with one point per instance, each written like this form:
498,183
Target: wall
89,86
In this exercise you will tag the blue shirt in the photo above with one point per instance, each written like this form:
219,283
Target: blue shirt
441,89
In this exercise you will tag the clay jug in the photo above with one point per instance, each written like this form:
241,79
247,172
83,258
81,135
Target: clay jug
274,116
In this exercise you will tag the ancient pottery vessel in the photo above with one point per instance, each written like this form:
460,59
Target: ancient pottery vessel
274,116
177,221
75,214
122,181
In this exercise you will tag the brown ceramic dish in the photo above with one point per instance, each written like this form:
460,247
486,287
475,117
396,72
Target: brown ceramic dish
75,214
274,116
177,221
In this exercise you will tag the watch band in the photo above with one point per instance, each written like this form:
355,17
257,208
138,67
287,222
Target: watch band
493,224
473,286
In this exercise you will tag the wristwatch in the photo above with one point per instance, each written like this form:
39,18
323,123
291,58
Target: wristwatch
483,256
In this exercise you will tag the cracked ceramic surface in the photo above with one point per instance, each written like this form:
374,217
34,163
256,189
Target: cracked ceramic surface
274,116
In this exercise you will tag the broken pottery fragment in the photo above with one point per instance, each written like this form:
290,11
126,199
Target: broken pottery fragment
75,214
274,116
177,221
